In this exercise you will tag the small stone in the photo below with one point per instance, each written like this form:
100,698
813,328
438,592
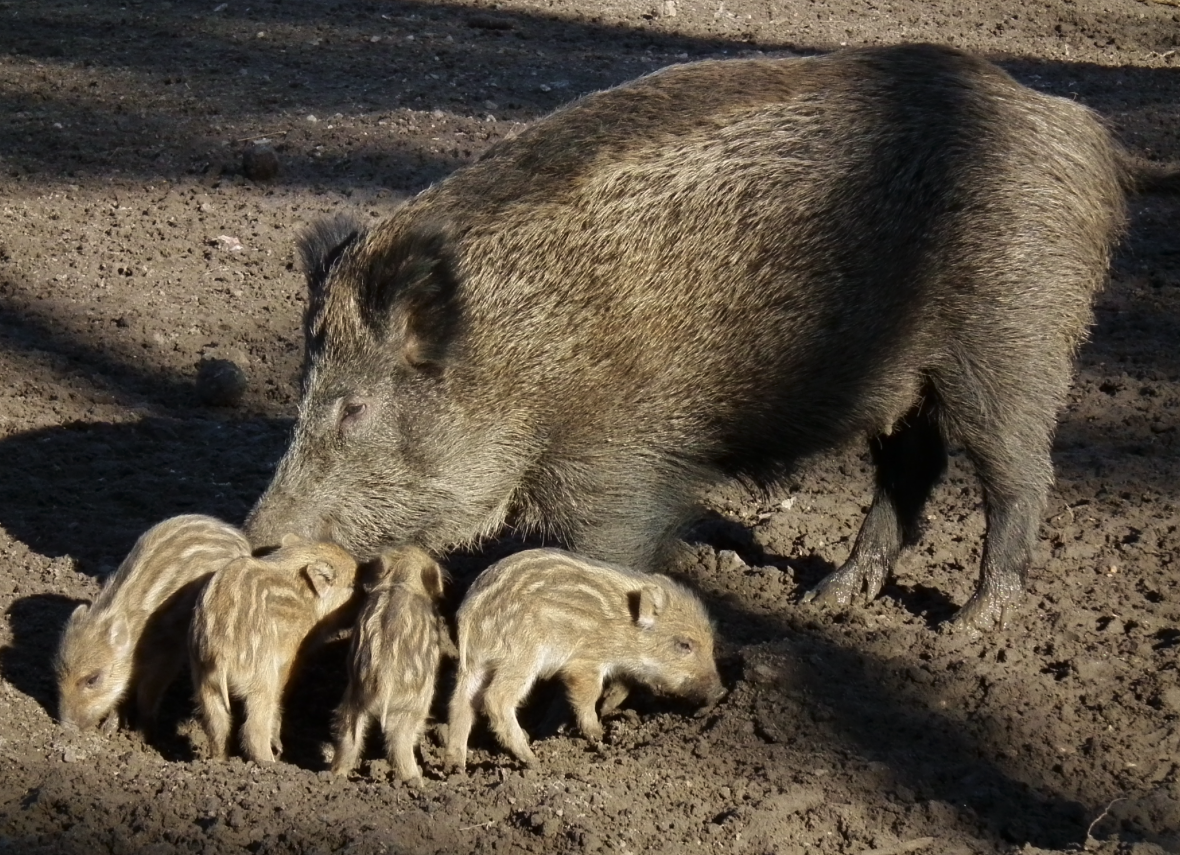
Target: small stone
488,22
312,120
1170,698
220,383
260,162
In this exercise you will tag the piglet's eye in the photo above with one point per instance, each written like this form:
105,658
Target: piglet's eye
683,645
92,680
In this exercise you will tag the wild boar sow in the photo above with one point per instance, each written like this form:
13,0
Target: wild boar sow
710,272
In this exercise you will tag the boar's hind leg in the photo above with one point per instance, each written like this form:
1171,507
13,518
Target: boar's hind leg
909,462
1015,474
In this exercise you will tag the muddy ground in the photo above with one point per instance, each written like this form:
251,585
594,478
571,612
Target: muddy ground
132,246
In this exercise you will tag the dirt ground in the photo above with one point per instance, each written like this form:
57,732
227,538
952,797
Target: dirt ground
132,246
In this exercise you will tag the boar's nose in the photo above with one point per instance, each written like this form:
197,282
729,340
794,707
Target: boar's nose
265,528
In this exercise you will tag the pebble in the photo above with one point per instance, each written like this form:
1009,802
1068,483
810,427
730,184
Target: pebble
260,162
220,382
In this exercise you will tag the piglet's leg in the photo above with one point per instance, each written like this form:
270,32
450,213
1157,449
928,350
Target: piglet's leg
506,691
403,728
583,685
215,716
616,692
261,716
351,724
461,717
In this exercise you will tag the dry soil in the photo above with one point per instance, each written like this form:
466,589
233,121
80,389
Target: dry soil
132,246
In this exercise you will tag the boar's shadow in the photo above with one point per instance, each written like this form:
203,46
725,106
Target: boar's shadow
88,490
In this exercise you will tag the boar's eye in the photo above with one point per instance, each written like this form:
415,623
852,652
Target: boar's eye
684,646
352,413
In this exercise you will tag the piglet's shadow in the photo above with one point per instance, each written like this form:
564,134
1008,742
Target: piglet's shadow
37,622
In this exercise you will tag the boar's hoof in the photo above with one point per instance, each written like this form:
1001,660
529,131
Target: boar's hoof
840,587
986,611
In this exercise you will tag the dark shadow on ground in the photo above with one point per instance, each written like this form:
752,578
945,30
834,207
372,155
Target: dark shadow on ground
166,88
36,622
88,490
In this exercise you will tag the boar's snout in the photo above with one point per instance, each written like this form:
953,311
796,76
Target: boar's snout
271,520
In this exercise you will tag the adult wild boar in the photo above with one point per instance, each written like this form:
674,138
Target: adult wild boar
712,271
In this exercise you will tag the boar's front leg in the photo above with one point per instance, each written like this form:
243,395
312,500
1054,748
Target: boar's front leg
631,513
909,462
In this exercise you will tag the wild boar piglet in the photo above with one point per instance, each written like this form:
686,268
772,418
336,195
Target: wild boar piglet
252,623
545,613
397,645
133,636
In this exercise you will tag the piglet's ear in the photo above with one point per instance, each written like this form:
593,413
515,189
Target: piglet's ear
321,576
120,634
433,580
646,605
409,297
290,539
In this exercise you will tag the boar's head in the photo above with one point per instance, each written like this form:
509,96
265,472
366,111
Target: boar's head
386,450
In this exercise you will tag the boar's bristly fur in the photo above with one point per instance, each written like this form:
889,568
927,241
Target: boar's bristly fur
712,272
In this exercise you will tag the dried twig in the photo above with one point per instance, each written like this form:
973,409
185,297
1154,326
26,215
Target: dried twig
263,136
901,848
1102,816
487,824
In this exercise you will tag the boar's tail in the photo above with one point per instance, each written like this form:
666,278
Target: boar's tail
1140,175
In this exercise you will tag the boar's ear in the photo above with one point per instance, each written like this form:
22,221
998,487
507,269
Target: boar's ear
646,605
320,575
409,298
320,247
